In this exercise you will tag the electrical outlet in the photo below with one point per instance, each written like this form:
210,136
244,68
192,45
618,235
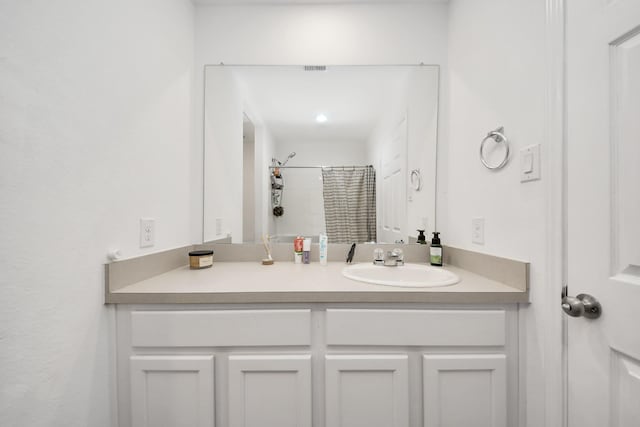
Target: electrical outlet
147,232
477,231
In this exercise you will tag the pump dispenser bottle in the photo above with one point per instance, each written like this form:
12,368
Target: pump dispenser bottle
435,250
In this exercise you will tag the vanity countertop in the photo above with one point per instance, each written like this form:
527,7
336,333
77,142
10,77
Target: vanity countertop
287,282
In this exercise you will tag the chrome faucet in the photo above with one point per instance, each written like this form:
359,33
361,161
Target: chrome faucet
391,258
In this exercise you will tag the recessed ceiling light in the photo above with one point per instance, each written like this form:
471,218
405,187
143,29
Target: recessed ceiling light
321,118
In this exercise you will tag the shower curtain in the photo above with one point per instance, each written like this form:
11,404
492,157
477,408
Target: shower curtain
350,204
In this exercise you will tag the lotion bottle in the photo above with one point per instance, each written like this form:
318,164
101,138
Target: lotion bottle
435,250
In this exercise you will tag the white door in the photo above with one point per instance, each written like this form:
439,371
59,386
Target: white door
270,391
603,193
393,195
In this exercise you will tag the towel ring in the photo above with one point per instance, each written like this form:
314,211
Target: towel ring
498,136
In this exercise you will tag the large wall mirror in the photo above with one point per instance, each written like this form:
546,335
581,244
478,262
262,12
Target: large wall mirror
299,150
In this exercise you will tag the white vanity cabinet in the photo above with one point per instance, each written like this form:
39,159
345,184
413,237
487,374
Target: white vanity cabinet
272,390
321,365
367,390
172,390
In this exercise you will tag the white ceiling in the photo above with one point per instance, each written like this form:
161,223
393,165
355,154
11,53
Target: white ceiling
354,98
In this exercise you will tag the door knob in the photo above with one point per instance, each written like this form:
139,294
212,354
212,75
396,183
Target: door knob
581,305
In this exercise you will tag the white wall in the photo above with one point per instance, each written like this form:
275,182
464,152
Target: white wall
497,78
95,132
265,151
318,34
223,177
249,197
322,34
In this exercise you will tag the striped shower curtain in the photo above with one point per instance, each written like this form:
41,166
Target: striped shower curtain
350,204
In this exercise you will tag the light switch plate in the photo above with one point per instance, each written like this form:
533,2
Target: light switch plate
530,163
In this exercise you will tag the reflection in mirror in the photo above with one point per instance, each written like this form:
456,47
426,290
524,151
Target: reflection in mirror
299,150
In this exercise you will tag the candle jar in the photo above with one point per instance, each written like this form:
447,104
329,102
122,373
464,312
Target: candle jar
200,259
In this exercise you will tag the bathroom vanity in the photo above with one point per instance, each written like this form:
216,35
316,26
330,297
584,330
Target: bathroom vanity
241,344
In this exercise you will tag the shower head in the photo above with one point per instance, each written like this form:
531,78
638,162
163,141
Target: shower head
275,161
289,157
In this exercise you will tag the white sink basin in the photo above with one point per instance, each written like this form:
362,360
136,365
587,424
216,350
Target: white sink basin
408,275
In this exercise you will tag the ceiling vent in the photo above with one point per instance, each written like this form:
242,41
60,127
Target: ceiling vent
315,68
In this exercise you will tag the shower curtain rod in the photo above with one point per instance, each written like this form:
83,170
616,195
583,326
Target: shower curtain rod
320,167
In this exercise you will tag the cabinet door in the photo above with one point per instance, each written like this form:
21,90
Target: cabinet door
367,390
270,390
465,390
169,391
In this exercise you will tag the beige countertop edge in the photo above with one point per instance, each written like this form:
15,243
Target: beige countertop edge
320,297
224,283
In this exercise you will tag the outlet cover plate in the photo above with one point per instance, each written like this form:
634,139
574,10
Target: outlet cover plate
477,231
147,232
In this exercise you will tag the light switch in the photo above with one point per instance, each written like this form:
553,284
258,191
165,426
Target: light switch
527,163
530,163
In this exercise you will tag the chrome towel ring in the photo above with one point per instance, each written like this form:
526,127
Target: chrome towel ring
498,136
